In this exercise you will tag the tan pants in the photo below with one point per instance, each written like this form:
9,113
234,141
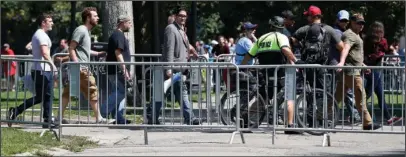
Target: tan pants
87,86
355,82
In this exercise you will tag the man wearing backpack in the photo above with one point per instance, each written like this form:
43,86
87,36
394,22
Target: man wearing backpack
316,39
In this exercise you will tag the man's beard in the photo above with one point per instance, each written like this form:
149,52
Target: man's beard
93,23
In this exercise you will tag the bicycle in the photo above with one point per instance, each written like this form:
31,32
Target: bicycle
254,117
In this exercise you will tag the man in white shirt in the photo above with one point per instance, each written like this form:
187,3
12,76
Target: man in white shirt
41,73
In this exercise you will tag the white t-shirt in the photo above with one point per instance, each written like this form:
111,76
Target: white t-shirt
40,38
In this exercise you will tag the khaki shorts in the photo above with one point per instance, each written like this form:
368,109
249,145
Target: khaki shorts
87,86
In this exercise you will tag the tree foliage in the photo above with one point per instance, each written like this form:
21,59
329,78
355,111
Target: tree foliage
213,17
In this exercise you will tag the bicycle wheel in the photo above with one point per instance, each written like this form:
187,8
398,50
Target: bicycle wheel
316,122
251,112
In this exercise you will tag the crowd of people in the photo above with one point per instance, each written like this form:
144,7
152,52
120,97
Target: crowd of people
341,44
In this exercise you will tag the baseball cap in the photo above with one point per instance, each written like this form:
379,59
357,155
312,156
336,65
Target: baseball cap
343,15
314,32
249,25
288,14
123,18
214,42
312,11
6,45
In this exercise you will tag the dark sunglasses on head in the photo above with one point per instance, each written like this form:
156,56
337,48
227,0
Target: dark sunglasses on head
361,23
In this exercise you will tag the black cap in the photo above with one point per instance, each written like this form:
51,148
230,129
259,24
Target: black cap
288,15
314,32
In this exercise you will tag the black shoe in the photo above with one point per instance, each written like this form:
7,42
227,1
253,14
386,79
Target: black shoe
53,125
122,122
64,121
11,115
151,122
292,132
372,127
195,121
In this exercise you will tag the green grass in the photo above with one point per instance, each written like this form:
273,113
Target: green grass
15,141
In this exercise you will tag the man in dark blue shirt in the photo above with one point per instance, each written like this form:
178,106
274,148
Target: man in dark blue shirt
118,51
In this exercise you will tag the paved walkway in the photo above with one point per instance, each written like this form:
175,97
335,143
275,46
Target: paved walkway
125,142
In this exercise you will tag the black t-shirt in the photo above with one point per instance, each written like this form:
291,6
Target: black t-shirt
117,40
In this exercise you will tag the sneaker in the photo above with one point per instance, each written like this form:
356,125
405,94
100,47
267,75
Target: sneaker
101,121
11,115
394,120
53,125
292,132
372,127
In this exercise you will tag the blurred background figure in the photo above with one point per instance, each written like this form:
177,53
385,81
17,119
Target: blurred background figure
9,68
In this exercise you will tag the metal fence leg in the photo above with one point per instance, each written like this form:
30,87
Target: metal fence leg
146,136
326,140
233,135
53,131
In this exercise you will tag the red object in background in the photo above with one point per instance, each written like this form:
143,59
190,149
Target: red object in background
9,71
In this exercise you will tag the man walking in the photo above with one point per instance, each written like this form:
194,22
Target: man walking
118,51
353,55
79,51
340,26
41,73
176,49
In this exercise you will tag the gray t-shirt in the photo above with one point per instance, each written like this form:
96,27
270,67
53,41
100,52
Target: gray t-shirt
82,36
40,38
331,34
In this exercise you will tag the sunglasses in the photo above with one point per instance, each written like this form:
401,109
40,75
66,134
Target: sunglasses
361,23
182,15
344,21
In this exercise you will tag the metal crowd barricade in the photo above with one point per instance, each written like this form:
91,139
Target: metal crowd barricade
392,77
140,70
144,118
312,111
22,69
12,99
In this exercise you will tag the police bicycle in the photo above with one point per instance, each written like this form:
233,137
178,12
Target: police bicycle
253,108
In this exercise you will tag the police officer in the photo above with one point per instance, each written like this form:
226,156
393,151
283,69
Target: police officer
273,49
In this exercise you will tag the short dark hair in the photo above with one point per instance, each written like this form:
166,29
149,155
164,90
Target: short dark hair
41,18
87,12
178,10
220,36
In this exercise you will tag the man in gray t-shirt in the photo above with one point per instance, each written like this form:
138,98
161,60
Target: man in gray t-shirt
79,51
42,73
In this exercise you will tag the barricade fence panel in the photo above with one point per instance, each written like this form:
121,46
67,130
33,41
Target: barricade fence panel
180,97
35,92
319,99
172,104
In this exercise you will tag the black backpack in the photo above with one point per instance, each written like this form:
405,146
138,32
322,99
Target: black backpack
315,51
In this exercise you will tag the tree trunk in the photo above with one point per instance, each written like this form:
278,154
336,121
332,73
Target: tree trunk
111,11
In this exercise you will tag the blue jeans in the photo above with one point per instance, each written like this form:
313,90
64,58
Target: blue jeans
43,93
179,94
116,99
377,88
